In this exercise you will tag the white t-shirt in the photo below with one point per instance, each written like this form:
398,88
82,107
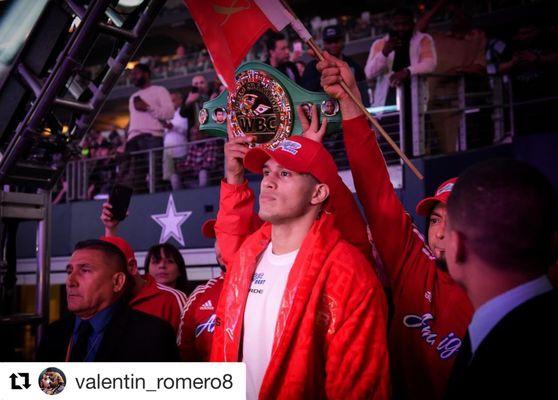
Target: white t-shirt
160,108
177,136
260,316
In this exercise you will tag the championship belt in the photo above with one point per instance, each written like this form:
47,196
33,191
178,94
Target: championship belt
265,105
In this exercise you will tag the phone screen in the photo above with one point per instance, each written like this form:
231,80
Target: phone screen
119,199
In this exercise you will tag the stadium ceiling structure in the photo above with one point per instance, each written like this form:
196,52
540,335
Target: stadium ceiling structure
48,102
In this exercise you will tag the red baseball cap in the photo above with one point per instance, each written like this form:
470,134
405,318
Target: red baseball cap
298,154
425,206
208,229
123,245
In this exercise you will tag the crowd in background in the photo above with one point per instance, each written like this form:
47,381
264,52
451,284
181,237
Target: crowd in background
443,40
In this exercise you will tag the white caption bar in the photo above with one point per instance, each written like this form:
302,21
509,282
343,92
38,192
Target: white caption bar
111,381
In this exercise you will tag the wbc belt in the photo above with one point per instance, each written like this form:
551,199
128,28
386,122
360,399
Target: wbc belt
264,104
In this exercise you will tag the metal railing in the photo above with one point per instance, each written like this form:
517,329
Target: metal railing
458,112
194,164
92,178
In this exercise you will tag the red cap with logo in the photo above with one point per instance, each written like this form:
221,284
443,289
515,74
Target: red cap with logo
442,194
298,154
123,245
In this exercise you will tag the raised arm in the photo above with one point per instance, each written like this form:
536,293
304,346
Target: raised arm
427,57
348,219
396,239
377,63
236,218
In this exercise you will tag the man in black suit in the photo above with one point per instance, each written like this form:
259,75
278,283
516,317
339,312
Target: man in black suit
102,327
500,242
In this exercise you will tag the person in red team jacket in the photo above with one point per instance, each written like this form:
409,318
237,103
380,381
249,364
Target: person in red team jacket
431,311
198,322
148,296
300,306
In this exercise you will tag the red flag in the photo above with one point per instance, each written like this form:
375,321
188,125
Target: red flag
230,28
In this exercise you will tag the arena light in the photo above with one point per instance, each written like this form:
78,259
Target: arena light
129,3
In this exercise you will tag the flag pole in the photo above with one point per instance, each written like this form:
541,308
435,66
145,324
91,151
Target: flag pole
303,33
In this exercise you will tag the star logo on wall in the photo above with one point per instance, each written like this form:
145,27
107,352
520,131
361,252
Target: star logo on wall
171,222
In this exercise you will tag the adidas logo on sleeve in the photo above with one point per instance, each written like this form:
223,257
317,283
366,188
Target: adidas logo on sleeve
207,306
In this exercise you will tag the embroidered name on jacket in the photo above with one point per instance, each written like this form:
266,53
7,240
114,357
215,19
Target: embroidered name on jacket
446,347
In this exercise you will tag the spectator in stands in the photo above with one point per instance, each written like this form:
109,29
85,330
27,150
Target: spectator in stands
165,263
301,66
103,175
180,52
102,327
530,61
297,52
176,137
204,91
150,108
220,89
278,55
199,93
501,240
91,143
334,43
397,56
116,140
201,159
461,50
361,29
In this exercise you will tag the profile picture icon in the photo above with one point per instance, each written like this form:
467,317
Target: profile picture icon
52,381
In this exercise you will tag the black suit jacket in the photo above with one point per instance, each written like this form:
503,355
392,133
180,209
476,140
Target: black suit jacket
518,359
130,336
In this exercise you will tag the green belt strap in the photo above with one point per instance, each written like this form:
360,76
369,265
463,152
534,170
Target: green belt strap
265,105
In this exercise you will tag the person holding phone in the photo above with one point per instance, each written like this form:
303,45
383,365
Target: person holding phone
393,59
200,92
147,295
401,53
150,108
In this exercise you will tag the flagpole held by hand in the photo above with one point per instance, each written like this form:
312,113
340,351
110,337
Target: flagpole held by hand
305,35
